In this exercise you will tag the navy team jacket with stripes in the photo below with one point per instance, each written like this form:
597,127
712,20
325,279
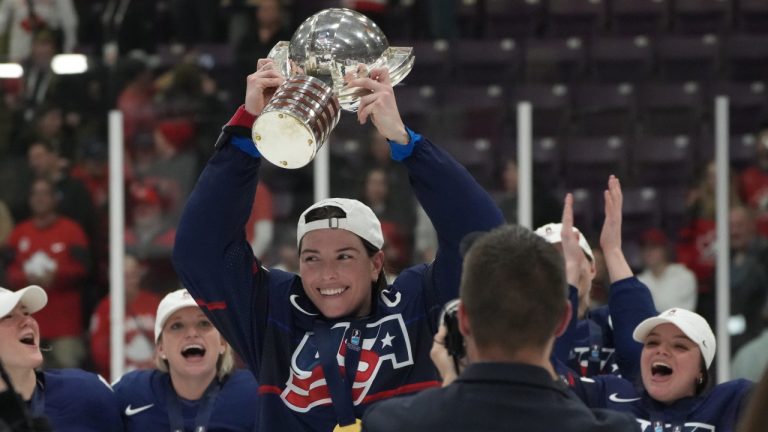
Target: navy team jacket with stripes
267,317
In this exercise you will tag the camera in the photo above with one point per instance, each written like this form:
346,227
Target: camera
454,341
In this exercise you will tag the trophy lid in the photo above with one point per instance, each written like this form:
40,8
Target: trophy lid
333,43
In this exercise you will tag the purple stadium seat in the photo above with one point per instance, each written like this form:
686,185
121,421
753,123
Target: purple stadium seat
479,61
555,60
513,18
747,102
746,57
476,154
639,17
474,111
641,210
604,109
418,106
751,16
433,61
665,108
575,17
663,160
701,16
621,59
551,107
741,148
590,160
689,58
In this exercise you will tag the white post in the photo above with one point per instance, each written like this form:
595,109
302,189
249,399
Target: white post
524,165
722,283
322,172
116,245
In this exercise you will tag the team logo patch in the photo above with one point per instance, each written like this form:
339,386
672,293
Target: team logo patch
383,343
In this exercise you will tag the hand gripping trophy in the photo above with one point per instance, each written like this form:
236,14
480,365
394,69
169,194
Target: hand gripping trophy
327,50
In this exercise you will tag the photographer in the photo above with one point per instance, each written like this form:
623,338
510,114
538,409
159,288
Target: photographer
513,306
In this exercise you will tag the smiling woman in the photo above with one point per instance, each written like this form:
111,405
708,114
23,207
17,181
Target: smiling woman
194,386
675,391
49,394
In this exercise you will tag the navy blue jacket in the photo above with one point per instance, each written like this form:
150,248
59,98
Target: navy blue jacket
715,410
609,328
266,315
76,401
495,397
142,399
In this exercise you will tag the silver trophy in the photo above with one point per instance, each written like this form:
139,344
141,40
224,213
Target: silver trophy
328,49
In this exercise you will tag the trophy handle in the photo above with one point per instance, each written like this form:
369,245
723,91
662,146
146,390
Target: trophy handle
399,62
279,54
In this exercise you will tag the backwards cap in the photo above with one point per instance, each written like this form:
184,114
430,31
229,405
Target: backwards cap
359,220
551,233
690,323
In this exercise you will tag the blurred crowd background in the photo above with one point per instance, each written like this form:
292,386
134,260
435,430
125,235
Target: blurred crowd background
617,86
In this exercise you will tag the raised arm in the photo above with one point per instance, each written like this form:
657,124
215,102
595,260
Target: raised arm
630,301
211,253
455,203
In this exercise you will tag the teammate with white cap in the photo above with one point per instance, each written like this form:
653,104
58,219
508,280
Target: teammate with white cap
600,339
49,394
675,392
194,386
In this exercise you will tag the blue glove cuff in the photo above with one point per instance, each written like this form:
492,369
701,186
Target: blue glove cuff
399,151
246,145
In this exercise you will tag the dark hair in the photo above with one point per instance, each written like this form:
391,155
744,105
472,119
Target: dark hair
329,212
513,289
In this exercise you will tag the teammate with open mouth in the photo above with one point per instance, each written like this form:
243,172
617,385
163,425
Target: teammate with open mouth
46,396
194,385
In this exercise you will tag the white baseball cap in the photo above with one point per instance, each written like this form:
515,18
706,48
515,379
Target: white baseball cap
692,324
33,297
360,220
172,302
551,233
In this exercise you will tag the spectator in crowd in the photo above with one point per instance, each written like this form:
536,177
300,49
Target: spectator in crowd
140,308
74,201
194,386
173,165
70,399
513,306
753,180
150,234
52,251
341,279
671,284
749,280
23,20
136,98
600,343
269,25
696,242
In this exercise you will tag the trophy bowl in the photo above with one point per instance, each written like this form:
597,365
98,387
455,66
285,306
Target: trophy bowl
328,49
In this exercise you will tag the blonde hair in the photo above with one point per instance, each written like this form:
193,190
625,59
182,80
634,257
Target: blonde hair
224,364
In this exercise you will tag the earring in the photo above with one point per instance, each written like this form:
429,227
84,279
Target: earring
701,380
163,356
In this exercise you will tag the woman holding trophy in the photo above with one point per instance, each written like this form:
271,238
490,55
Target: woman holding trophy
330,341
